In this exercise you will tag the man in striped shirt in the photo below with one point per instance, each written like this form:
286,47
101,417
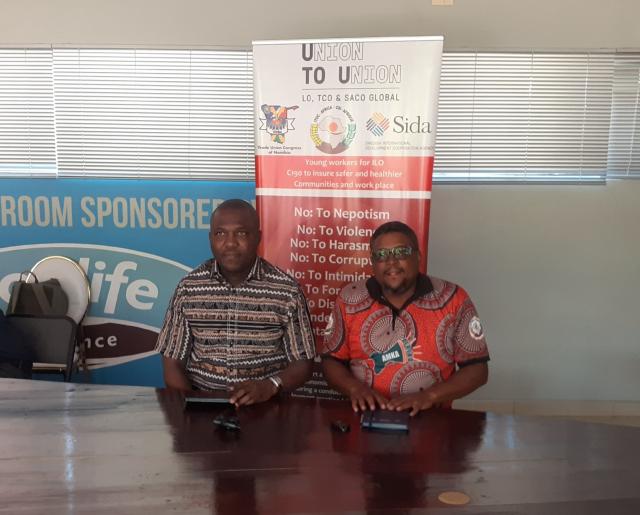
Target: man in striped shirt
237,322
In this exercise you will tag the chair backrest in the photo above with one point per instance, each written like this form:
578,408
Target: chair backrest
52,339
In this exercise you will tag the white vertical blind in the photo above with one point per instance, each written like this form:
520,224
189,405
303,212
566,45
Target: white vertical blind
624,137
154,113
524,117
27,137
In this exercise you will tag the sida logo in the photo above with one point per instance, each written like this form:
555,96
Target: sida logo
130,292
377,124
406,125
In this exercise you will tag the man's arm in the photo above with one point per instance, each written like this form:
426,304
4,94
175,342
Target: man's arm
173,342
340,378
174,374
249,392
296,374
461,383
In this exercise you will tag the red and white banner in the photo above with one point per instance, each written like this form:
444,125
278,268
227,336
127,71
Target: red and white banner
345,139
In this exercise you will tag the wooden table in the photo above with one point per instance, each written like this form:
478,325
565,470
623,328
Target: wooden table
68,448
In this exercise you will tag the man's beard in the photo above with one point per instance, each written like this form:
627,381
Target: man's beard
403,287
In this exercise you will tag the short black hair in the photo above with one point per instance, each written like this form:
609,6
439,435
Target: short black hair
240,205
395,226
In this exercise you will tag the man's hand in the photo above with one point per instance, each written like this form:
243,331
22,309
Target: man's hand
414,401
461,383
251,392
363,397
339,377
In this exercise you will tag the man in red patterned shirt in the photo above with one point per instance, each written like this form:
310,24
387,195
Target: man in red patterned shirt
402,340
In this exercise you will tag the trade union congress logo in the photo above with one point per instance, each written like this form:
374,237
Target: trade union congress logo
276,121
377,124
333,130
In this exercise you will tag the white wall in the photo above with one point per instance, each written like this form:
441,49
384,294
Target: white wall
467,24
555,275
554,271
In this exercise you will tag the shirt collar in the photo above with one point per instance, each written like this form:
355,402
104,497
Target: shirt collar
423,287
257,271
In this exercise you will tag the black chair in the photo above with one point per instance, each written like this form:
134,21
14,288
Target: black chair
52,340
75,284
16,359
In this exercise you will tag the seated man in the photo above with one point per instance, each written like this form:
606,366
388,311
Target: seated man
237,321
400,339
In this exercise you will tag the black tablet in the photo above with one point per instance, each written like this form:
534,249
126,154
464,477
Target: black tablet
384,420
211,398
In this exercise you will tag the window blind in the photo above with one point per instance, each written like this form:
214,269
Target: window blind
523,117
624,136
27,137
503,117
154,113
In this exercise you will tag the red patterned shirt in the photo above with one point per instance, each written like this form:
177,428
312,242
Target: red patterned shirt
407,350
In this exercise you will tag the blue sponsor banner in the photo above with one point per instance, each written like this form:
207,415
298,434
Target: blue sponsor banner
135,239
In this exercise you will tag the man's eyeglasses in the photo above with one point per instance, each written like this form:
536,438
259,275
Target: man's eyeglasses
380,255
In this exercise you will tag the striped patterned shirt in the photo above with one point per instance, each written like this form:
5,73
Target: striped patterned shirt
225,334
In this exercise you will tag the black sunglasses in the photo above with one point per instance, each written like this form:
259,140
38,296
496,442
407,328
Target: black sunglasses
377,256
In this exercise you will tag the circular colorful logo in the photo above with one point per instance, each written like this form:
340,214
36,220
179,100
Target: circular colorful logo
333,130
